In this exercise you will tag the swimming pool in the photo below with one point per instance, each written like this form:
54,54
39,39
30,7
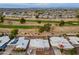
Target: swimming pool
4,45
15,41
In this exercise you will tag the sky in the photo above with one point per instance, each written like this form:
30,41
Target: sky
39,5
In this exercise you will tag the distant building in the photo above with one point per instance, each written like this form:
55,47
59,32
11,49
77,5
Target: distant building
49,14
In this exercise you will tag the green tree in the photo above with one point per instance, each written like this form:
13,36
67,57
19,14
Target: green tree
37,16
46,28
39,22
2,19
41,29
61,23
72,51
77,35
13,33
22,20
77,16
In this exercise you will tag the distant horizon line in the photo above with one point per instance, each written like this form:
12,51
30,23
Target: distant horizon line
43,8
39,5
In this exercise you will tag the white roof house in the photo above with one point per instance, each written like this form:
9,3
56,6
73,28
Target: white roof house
3,40
74,40
21,42
57,41
39,43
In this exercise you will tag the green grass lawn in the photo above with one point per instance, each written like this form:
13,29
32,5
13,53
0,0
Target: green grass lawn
72,23
18,26
50,21
31,26
43,21
68,23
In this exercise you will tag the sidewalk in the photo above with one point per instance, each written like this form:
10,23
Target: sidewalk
56,51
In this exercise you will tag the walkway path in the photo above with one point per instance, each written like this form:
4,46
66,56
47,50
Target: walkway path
57,51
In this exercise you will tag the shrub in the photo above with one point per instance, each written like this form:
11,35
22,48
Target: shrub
22,20
61,23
